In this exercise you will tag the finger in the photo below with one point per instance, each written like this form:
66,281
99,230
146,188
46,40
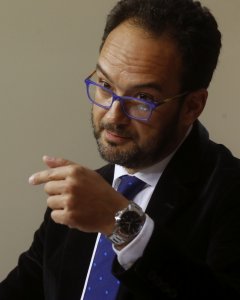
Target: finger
53,162
55,187
48,175
58,216
56,202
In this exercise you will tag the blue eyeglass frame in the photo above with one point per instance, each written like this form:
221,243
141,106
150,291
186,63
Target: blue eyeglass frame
121,99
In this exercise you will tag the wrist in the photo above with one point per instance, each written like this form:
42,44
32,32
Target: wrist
128,223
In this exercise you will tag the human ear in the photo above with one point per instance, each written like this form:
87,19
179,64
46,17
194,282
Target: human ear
194,104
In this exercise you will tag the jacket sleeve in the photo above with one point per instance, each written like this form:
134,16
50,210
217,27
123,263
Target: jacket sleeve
169,270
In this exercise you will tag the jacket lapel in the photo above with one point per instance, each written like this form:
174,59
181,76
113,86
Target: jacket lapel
179,181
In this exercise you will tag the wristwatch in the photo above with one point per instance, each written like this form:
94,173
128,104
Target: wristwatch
128,223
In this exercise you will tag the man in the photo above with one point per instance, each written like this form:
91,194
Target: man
150,85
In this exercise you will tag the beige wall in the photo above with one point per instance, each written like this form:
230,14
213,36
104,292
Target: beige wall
221,114
47,48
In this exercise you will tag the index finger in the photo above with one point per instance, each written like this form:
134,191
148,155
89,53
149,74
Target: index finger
45,176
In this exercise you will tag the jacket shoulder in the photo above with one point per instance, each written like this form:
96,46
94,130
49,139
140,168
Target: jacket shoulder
106,172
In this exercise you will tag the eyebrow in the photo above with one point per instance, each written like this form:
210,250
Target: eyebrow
151,85
98,67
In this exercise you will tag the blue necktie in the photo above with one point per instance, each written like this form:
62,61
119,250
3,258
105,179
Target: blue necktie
102,284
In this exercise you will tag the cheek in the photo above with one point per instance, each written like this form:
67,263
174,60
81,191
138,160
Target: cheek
150,135
146,132
166,114
157,126
97,113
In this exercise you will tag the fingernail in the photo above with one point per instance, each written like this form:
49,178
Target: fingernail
49,158
31,179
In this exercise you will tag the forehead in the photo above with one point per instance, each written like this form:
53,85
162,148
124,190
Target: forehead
131,54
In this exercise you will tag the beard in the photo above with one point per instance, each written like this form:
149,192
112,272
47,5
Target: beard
135,156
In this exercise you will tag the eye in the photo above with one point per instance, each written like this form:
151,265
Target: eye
143,107
105,84
145,96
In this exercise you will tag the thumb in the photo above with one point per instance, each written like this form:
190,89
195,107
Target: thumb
54,162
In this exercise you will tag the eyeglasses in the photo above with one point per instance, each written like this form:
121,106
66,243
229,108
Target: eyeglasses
134,108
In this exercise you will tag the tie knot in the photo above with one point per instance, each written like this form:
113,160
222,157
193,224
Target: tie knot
130,186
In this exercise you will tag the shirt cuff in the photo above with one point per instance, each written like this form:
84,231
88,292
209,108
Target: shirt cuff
134,250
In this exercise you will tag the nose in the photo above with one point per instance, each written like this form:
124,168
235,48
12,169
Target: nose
116,114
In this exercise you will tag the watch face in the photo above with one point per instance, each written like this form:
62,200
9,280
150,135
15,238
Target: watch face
130,222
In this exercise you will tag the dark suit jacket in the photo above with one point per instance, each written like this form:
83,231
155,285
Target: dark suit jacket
194,252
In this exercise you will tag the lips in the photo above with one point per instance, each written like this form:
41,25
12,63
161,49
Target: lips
111,136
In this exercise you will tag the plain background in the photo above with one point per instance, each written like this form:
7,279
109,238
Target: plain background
47,49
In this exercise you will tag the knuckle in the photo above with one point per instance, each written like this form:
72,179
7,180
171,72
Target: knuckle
69,188
71,218
68,201
50,174
46,187
73,170
50,202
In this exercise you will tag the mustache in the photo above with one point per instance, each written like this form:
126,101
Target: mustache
116,129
